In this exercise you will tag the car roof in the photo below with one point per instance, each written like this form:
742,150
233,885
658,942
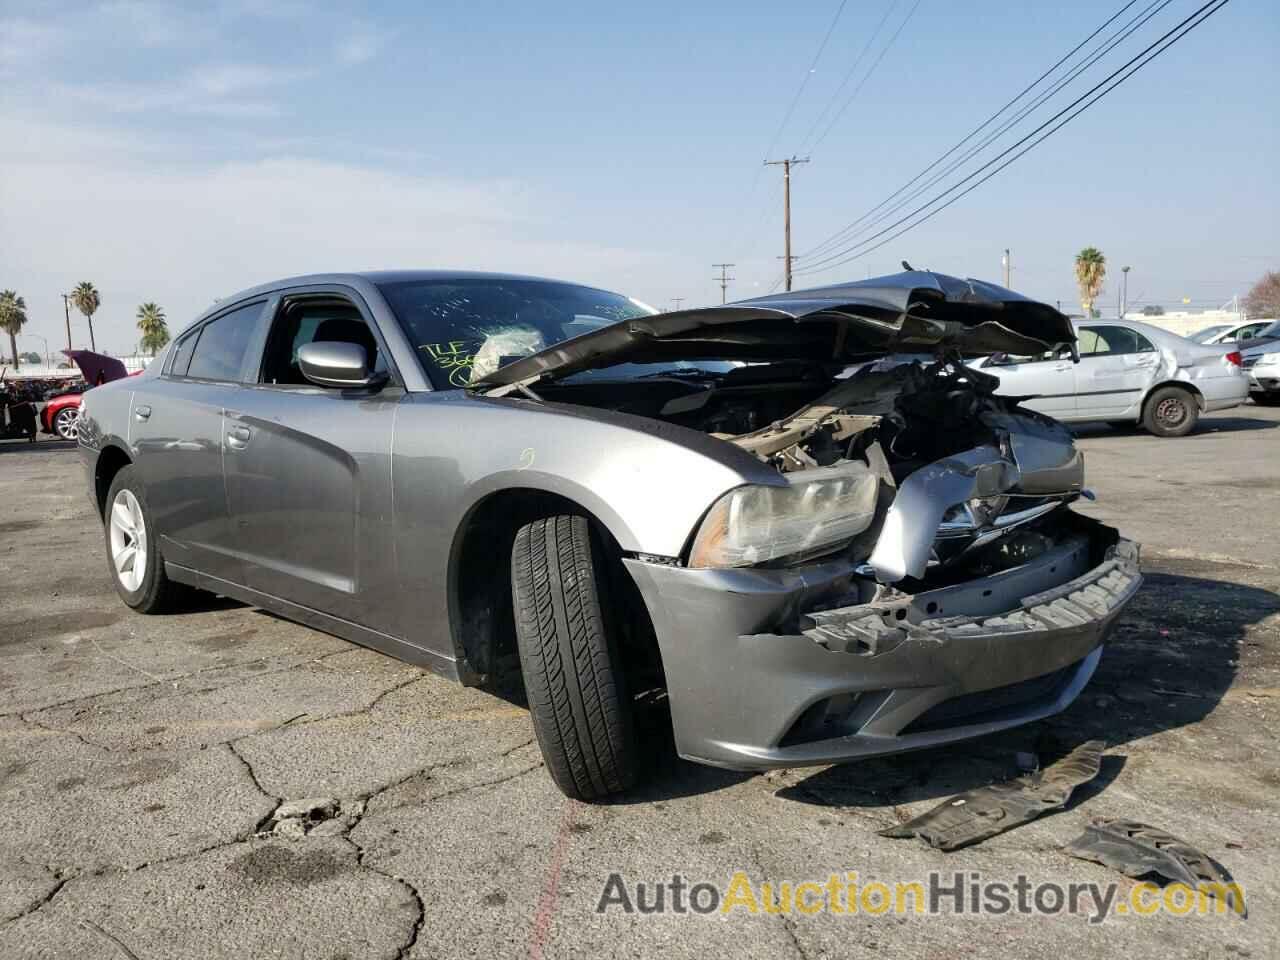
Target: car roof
355,277
376,277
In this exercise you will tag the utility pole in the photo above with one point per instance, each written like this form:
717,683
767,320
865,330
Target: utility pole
1124,295
677,301
1008,269
66,309
786,210
724,280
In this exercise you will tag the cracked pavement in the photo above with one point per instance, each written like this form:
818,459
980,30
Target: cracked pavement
224,783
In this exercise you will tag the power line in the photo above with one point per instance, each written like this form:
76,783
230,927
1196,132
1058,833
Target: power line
866,77
804,82
839,235
1181,29
849,232
850,72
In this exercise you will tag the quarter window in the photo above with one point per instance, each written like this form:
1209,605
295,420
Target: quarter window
182,354
219,352
1095,341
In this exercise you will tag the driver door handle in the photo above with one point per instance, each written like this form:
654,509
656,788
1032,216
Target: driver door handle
238,437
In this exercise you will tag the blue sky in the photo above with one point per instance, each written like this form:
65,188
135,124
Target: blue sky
178,153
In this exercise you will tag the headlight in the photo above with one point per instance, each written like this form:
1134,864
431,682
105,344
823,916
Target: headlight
819,508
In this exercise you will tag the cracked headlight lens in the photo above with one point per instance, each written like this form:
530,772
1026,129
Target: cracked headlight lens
818,509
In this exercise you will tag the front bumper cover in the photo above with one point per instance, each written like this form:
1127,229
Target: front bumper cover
866,678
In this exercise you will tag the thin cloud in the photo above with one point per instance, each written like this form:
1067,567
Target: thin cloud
226,79
24,41
359,45
156,26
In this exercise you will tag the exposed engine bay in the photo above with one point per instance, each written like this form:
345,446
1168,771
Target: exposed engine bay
958,482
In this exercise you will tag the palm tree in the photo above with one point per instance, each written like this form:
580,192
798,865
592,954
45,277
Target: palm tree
1091,270
13,314
85,297
151,322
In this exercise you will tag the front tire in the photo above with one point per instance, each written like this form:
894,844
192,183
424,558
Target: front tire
1266,399
1171,412
570,660
133,549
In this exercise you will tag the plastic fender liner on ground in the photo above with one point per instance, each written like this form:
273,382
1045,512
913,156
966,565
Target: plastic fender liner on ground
1144,852
976,815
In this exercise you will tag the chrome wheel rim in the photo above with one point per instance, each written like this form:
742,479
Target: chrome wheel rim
128,541
1171,412
67,423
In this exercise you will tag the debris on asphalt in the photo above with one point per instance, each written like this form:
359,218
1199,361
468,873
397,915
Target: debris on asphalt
1147,853
977,815
314,817
309,808
290,829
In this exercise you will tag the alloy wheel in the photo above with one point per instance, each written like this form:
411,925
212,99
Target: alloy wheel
67,423
128,540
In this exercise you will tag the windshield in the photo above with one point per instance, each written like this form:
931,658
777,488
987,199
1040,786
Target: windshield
1208,333
464,328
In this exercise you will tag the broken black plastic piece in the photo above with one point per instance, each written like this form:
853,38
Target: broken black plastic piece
1146,853
976,815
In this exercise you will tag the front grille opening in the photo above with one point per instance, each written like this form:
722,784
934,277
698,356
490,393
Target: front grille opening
994,705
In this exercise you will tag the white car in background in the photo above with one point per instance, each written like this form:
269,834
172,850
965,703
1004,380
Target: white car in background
1129,372
1239,333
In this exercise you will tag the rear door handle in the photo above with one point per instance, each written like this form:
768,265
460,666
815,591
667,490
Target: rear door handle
238,437
142,413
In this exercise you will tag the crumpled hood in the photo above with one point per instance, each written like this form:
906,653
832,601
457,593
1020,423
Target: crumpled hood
845,323
96,367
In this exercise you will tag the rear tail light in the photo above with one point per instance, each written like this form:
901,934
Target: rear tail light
1234,357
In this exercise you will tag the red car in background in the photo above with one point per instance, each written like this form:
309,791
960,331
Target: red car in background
61,415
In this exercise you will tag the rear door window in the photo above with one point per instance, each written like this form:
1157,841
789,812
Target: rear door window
1095,341
219,353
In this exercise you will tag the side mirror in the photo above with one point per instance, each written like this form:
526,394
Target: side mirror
998,360
334,363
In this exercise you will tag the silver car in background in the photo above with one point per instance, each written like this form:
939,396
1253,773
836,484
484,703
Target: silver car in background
1128,373
486,474
1262,364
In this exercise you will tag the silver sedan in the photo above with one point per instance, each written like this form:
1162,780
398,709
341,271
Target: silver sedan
490,475
1129,373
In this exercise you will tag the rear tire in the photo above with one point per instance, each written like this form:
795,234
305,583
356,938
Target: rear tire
133,549
66,423
569,656
1266,399
1171,412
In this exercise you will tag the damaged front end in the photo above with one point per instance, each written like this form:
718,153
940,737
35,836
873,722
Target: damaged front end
940,588
907,571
